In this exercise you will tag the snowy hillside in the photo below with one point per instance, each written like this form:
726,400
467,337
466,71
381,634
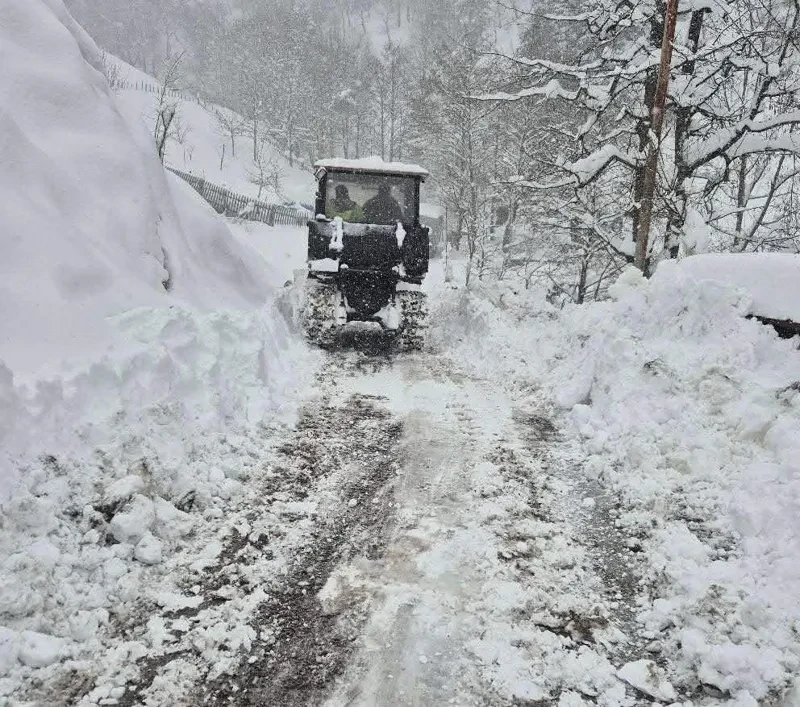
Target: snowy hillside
200,138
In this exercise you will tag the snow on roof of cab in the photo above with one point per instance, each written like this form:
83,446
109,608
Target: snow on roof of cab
372,164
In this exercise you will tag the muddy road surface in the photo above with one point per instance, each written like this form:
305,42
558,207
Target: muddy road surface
420,538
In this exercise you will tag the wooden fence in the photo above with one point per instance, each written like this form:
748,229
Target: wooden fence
147,87
228,203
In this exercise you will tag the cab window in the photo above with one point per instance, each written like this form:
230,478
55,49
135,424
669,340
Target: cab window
370,198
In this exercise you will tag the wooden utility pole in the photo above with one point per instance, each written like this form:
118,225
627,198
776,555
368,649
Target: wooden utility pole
654,143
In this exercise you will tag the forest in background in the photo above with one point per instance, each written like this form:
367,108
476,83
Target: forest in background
535,125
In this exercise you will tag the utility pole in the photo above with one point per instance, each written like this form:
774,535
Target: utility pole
654,143
447,277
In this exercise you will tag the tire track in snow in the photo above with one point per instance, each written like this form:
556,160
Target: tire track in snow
341,457
486,594
593,510
440,566
407,655
309,646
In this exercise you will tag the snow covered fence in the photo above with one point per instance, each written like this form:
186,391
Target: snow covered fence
230,203
146,87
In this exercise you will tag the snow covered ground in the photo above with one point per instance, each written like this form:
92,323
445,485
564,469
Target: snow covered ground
590,506
477,527
197,144
689,416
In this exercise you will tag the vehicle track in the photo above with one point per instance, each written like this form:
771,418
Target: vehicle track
439,567
301,648
310,646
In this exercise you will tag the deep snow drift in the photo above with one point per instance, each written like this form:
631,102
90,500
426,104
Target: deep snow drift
90,222
138,346
689,413
92,226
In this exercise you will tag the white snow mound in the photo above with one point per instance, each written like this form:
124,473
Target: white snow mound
89,223
771,279
689,413
92,229
140,361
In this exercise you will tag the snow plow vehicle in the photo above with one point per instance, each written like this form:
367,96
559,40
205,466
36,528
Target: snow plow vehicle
367,251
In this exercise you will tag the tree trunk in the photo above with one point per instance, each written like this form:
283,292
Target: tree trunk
508,231
459,228
654,141
582,275
392,106
683,118
643,124
255,135
741,193
290,139
472,221
383,125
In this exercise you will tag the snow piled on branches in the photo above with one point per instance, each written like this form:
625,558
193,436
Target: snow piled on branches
689,413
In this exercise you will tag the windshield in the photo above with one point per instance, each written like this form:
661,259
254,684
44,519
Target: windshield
370,198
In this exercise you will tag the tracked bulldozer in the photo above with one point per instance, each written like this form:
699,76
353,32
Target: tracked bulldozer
367,252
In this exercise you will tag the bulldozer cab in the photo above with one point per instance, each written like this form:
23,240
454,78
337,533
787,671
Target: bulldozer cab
368,191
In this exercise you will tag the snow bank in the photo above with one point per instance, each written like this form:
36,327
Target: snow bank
771,279
284,248
690,413
138,457
140,358
91,226
88,221
480,327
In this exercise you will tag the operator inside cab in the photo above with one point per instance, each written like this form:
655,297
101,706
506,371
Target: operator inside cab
344,207
382,208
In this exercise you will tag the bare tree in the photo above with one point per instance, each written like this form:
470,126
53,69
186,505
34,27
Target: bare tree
266,173
231,124
112,71
648,188
167,125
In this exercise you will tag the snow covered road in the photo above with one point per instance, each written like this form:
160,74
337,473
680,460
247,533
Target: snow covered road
428,529
416,539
